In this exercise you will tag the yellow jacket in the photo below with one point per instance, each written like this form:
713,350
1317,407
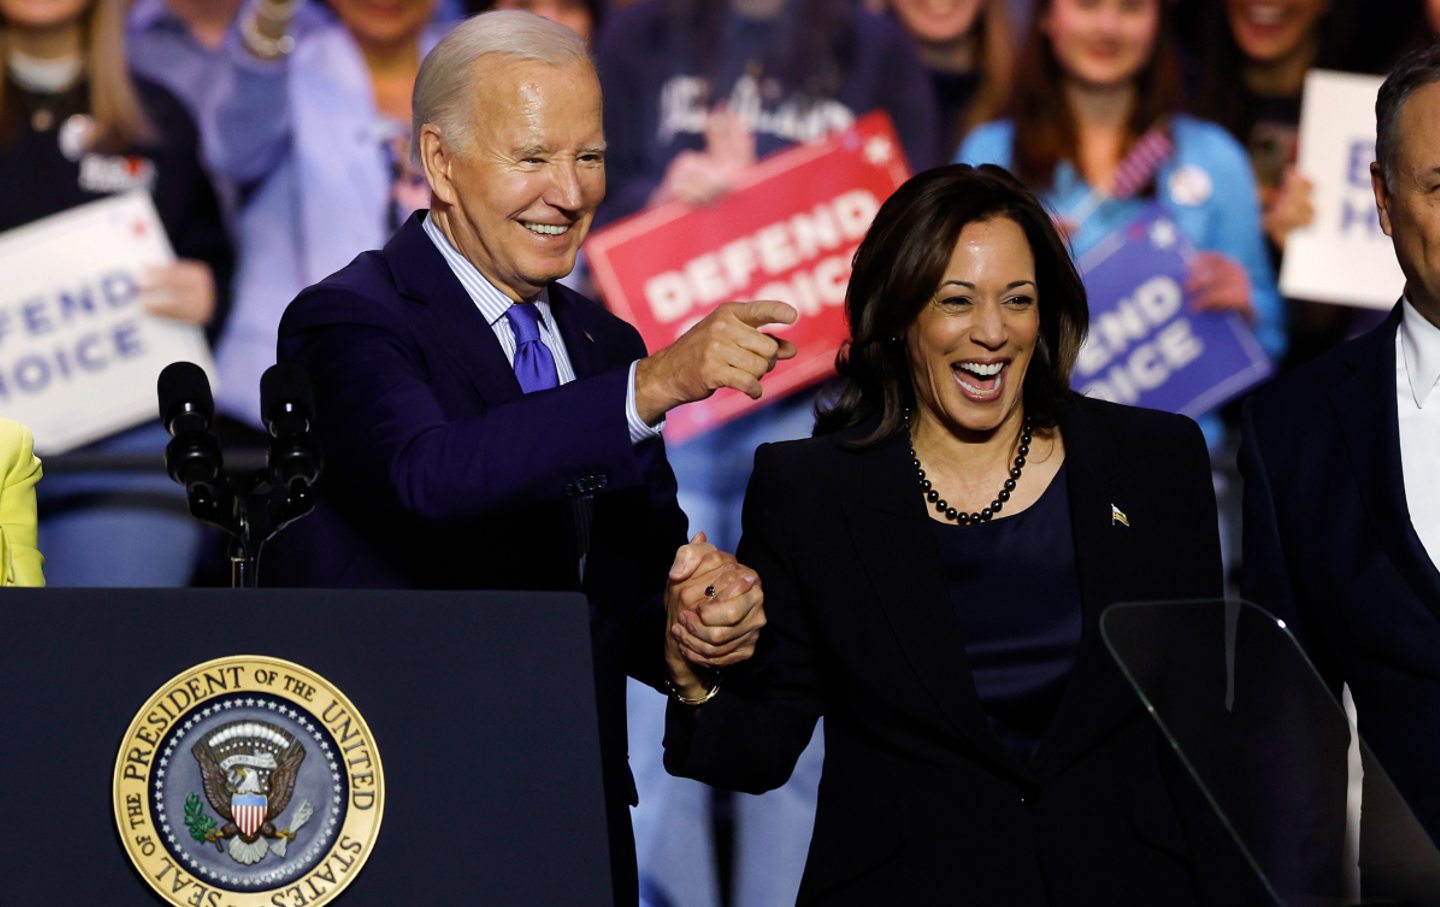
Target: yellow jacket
20,559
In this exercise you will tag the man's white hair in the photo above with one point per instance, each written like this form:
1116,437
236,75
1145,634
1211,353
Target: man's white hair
446,86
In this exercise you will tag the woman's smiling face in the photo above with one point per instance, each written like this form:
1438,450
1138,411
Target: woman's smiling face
972,342
1102,43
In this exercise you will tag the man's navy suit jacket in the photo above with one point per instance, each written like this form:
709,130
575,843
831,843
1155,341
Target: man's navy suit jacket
440,473
1329,548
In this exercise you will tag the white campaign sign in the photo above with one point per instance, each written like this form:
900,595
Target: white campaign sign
1343,256
78,356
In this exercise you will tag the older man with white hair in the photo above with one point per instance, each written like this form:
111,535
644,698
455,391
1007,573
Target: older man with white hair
485,427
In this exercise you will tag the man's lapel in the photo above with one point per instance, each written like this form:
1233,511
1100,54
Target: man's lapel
576,329
1365,407
449,315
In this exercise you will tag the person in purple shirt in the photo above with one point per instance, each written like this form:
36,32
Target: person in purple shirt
177,43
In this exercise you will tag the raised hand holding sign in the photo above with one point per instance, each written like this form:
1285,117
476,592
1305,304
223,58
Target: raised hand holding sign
1167,325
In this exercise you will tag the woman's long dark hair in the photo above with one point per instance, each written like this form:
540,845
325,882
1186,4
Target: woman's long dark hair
1350,40
1041,112
897,270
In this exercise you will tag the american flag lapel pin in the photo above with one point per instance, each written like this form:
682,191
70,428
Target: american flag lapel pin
1118,517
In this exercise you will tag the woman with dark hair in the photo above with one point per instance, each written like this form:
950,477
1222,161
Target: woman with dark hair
1254,58
696,92
935,564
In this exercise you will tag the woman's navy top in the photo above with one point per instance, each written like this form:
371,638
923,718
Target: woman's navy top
1016,595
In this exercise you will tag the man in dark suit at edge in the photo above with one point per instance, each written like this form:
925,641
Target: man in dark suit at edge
485,427
1340,458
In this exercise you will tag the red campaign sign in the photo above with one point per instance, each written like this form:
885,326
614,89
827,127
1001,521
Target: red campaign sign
787,231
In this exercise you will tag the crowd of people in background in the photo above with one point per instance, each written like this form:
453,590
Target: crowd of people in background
274,136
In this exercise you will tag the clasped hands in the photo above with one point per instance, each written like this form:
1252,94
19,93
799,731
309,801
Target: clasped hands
714,609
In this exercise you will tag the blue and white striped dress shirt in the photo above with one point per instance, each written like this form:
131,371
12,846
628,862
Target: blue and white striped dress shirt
493,303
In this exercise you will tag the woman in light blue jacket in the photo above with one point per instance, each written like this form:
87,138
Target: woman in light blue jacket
1097,79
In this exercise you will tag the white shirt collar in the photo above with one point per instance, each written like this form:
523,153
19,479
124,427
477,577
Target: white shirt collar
1420,346
486,296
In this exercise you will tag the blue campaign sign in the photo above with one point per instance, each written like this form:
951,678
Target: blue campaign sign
1146,346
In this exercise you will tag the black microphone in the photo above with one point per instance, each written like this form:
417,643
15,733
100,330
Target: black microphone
288,409
193,457
185,401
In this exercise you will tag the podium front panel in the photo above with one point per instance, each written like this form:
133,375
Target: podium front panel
481,705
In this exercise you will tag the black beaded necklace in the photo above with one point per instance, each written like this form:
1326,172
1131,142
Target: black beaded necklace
960,516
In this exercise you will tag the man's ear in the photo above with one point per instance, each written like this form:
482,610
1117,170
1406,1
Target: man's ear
437,159
1382,196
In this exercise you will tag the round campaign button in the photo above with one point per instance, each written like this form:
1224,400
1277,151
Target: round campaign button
1190,185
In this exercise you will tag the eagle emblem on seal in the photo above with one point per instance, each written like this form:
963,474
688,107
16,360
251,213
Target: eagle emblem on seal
248,770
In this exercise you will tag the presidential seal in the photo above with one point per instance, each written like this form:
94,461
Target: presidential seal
248,781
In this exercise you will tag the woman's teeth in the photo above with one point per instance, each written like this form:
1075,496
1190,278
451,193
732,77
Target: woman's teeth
989,374
983,370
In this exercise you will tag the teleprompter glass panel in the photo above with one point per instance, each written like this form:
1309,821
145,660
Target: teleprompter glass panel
1266,740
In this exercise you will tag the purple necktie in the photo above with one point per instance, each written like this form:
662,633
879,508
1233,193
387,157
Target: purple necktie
534,363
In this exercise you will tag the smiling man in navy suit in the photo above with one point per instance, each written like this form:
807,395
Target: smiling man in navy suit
1342,473
485,427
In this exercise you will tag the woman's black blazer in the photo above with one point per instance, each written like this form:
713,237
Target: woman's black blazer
919,803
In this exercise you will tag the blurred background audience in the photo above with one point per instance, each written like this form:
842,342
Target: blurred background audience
309,118
77,124
1098,77
1271,47
968,48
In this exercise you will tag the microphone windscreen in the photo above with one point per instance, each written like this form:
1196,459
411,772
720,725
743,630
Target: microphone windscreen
285,382
180,383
